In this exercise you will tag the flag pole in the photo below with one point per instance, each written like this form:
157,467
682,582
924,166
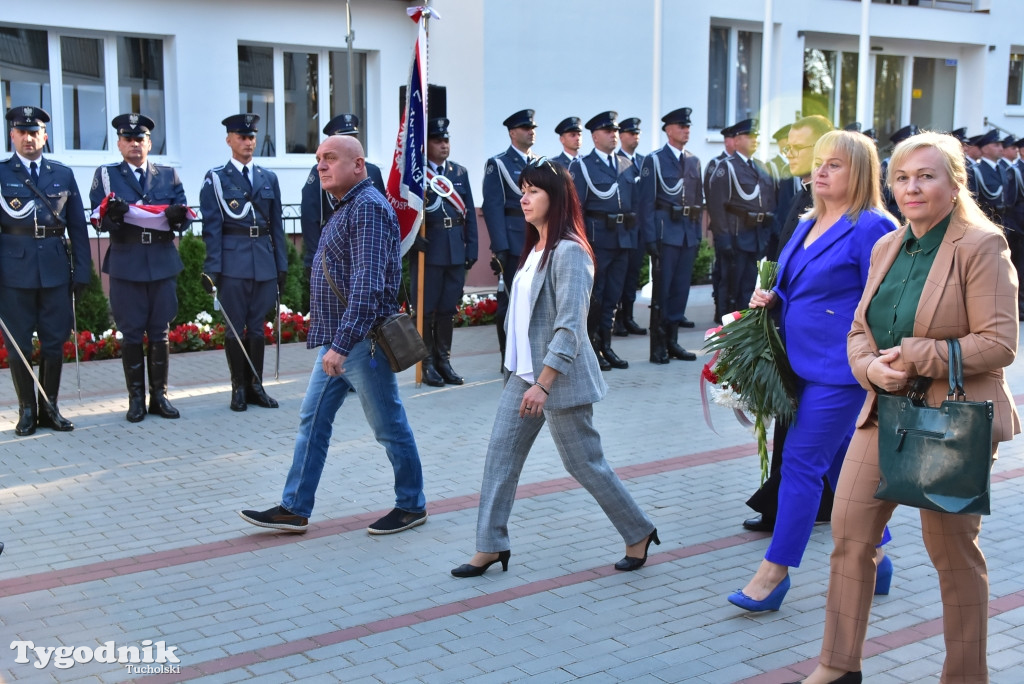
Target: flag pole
421,257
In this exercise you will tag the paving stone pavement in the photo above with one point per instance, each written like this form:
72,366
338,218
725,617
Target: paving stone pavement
129,533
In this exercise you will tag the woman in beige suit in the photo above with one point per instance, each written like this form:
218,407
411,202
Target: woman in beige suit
552,375
945,275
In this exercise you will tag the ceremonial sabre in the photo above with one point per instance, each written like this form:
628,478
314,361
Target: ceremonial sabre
35,378
227,319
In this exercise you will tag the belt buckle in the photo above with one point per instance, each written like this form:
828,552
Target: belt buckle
448,222
620,218
254,231
760,217
686,212
146,237
39,232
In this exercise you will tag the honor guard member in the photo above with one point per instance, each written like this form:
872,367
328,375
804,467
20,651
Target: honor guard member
670,203
1016,209
506,225
318,204
245,254
605,184
450,251
961,135
142,261
989,177
887,196
778,165
786,187
729,142
570,135
1009,152
625,325
742,206
38,273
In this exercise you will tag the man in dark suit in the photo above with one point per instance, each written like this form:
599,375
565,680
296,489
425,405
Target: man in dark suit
669,204
570,136
799,151
629,140
318,204
142,261
502,213
605,185
245,255
450,250
37,272
742,206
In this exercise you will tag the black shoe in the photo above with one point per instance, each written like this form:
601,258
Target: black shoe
609,354
674,350
687,323
601,361
467,570
238,367
397,521
26,421
443,333
157,363
254,392
633,328
619,329
629,563
25,388
276,518
49,415
430,375
133,362
759,524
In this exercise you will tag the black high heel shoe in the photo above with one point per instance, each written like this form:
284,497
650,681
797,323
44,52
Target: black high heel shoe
467,570
630,563
848,678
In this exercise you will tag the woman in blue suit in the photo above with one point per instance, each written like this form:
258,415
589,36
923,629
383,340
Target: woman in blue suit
822,271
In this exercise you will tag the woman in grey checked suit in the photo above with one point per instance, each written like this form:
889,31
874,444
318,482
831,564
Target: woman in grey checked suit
552,375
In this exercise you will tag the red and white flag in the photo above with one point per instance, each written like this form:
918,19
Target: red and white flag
148,216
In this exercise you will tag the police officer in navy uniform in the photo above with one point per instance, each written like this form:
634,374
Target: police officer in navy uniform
741,202
729,142
887,196
671,198
605,185
318,204
506,225
778,165
450,250
40,205
990,178
143,263
570,136
245,254
625,325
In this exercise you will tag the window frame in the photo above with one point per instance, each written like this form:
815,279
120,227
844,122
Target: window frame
732,64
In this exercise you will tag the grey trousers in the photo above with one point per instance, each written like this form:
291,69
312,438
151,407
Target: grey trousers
578,444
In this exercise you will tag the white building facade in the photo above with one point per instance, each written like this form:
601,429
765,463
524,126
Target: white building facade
940,64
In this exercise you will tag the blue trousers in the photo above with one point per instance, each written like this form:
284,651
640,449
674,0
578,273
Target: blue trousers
377,389
815,447
44,310
247,303
608,281
143,307
674,288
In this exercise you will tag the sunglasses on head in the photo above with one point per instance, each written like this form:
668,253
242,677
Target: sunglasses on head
539,161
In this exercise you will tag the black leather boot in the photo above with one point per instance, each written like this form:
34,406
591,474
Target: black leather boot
595,342
429,374
254,393
49,377
619,326
674,350
239,368
631,326
159,361
443,333
606,350
25,388
135,379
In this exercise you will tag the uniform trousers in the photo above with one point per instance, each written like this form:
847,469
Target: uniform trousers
674,288
374,383
143,307
579,445
631,281
442,286
246,302
45,310
609,278
737,279
858,519
815,446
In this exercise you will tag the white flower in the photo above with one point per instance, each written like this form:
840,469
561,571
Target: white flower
203,318
107,333
283,310
118,335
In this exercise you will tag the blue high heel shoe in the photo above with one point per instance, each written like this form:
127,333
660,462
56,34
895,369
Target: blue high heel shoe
883,577
772,602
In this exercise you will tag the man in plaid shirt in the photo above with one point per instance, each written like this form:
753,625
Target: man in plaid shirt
360,246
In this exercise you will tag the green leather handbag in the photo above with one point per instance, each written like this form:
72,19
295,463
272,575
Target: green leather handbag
936,458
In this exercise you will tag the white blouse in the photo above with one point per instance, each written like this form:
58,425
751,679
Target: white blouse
518,356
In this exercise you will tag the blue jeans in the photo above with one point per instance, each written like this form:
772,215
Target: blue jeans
377,389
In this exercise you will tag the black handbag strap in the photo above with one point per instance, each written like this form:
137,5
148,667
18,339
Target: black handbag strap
956,371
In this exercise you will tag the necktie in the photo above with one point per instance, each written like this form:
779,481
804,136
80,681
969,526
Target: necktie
34,172
611,163
635,165
245,177
142,181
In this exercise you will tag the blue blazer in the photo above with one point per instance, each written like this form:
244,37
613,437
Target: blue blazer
820,290
502,213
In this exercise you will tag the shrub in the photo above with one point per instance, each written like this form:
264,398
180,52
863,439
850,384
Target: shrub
192,298
702,264
92,311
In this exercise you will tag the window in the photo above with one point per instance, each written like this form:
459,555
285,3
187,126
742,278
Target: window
734,76
888,95
1014,82
830,85
90,86
291,106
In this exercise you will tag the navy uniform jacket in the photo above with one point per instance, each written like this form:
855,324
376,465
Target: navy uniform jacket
660,175
238,255
991,190
778,166
562,160
617,228
732,178
27,262
1017,200
134,260
452,245
502,213
317,207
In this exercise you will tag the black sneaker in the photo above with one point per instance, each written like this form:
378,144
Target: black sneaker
397,521
276,518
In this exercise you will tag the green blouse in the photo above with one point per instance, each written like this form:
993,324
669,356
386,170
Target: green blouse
891,313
